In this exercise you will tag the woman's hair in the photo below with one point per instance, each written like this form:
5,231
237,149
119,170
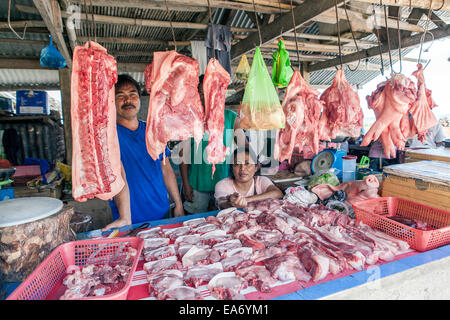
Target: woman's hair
253,156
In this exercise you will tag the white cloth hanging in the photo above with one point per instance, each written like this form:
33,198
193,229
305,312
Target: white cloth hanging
198,50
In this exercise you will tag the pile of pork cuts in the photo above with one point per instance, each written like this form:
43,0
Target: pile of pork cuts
310,119
96,280
402,111
275,242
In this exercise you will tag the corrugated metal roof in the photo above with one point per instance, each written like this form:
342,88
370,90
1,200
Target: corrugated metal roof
239,19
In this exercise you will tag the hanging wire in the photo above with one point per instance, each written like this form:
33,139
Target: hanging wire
93,21
338,31
378,39
354,39
171,26
387,34
257,23
295,35
279,7
399,40
9,23
422,39
212,32
87,24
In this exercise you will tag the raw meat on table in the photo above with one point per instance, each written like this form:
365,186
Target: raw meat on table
342,109
180,293
175,111
170,262
164,280
96,166
357,190
197,276
227,286
215,85
258,277
287,267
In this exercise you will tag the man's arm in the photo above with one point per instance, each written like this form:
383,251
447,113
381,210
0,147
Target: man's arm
172,187
184,171
122,201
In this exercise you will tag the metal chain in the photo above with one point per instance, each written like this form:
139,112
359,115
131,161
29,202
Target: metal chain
171,26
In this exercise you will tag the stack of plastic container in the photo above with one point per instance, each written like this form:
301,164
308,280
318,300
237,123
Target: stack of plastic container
348,168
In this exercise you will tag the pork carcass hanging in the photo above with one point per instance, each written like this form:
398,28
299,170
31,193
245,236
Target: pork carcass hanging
302,109
175,111
391,102
96,167
215,86
342,109
422,116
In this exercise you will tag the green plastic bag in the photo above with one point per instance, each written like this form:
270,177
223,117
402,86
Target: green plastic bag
260,108
324,178
281,67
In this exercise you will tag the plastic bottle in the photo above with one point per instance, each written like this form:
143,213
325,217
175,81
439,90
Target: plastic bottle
348,168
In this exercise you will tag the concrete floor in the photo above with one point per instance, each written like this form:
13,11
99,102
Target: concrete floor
430,281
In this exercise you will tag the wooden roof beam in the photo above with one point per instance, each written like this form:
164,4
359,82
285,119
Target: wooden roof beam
183,5
51,14
374,52
423,4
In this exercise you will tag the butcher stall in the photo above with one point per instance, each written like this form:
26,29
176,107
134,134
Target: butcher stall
361,214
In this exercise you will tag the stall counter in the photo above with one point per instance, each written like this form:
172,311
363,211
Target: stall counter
427,272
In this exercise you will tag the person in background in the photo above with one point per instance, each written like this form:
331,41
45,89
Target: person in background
197,180
244,185
378,159
435,138
148,181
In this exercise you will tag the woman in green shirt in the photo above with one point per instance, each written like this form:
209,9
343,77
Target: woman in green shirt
198,186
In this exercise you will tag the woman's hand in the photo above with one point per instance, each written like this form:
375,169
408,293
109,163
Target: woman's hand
238,200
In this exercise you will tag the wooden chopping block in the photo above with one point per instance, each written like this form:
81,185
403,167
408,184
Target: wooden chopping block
23,247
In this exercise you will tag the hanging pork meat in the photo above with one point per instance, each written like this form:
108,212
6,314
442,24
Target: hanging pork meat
215,86
401,110
342,109
302,108
96,168
175,111
422,116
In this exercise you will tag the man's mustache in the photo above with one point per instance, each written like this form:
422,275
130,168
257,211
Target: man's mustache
128,105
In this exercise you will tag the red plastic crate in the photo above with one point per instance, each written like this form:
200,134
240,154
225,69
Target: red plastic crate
374,212
45,282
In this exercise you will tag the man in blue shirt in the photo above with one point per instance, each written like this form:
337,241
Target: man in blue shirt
148,182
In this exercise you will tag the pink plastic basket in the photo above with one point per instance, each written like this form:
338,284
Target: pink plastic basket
45,282
374,213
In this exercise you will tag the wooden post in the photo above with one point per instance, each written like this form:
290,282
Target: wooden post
64,82
304,71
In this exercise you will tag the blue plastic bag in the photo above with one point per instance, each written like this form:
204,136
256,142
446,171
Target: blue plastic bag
51,58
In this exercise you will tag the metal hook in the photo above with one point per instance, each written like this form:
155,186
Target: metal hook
171,26
354,39
295,35
9,23
212,32
257,23
338,31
